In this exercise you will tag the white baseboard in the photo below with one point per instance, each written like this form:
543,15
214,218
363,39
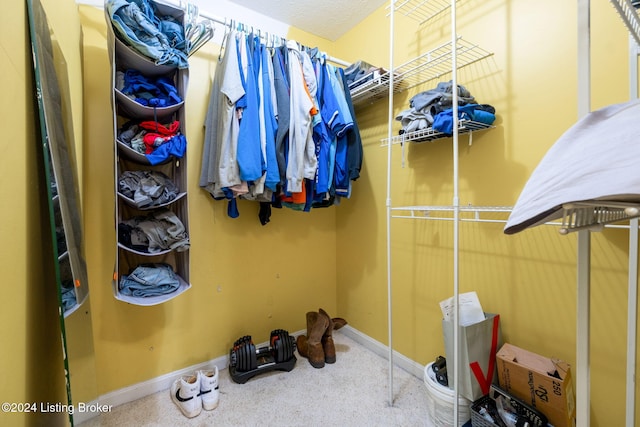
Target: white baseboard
154,385
163,382
146,388
382,350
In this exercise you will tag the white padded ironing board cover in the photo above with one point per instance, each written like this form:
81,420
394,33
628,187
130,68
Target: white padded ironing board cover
598,158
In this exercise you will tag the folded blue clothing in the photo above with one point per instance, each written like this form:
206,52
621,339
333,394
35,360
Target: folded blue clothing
483,116
150,280
175,147
443,122
68,296
157,92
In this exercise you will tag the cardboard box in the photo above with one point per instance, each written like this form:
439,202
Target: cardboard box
544,383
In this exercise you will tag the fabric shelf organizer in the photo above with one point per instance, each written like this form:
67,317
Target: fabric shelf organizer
150,170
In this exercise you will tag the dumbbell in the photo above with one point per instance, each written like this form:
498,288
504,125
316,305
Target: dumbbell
243,354
282,345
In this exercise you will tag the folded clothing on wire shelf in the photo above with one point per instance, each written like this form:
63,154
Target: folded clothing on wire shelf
361,72
433,108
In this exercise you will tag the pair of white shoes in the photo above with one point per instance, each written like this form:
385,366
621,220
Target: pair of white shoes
192,393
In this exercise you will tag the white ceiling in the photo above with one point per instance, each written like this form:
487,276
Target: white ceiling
328,19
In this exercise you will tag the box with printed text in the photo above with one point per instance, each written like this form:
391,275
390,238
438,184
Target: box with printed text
543,382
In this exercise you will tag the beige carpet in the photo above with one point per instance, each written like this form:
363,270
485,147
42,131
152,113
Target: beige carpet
351,392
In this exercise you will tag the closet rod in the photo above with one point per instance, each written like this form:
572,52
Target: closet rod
227,22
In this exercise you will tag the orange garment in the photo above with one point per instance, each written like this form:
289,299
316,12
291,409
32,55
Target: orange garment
297,198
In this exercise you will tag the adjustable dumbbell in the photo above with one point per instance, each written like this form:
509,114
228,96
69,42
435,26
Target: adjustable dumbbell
245,360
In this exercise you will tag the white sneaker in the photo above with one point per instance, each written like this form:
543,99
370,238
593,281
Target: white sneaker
185,393
209,391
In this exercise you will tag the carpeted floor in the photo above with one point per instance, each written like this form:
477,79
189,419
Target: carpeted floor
351,392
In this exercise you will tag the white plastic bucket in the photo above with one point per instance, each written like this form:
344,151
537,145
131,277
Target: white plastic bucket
440,401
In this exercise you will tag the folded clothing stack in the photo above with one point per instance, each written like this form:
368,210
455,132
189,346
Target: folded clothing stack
158,231
151,92
360,72
156,141
139,24
147,188
433,108
150,280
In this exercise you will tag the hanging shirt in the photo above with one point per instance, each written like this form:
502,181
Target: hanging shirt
340,126
281,86
301,162
321,137
272,177
250,159
220,167
354,140
311,81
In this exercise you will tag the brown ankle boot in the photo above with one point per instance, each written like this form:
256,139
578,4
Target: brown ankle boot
310,345
328,346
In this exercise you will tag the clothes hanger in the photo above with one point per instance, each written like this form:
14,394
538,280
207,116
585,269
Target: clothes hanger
227,30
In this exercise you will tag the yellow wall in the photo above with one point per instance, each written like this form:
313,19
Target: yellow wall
31,355
249,279
529,278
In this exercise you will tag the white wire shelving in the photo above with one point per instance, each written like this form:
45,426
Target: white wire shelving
422,10
576,216
595,215
629,16
431,65
429,134
443,213
580,217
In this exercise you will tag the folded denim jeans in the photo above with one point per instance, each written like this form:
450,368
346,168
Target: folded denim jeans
159,38
150,280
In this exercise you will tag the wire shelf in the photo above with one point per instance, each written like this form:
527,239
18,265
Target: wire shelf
429,134
376,87
629,16
437,62
422,10
445,213
594,215
431,65
591,215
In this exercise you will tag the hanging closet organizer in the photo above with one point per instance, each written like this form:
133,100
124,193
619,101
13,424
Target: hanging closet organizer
126,109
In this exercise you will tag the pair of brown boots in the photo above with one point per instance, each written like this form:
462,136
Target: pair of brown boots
318,345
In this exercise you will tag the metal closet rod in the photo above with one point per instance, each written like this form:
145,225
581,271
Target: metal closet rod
231,22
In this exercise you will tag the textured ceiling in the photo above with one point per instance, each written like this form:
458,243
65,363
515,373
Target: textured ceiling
329,19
